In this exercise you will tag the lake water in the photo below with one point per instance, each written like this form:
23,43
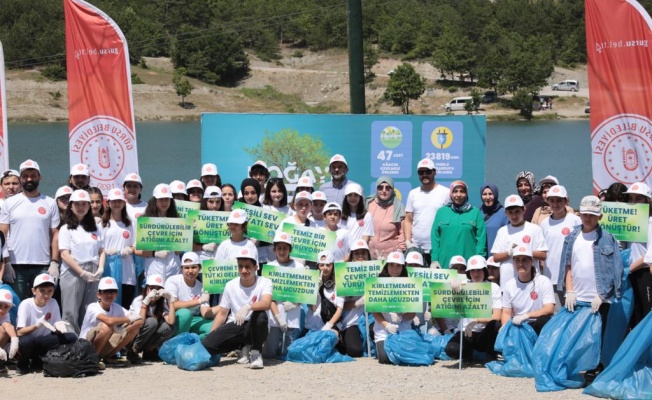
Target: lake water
171,150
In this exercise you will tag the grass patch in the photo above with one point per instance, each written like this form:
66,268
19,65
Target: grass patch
292,103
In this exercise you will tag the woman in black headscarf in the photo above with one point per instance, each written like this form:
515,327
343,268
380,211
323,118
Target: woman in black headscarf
493,211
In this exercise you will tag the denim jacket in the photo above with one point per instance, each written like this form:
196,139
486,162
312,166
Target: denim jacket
606,257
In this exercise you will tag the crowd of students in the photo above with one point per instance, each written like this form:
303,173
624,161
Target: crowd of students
76,249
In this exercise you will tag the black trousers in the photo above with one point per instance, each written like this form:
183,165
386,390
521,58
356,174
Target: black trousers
32,348
350,342
641,280
230,336
480,341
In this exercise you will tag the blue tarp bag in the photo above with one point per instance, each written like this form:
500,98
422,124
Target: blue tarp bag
195,357
516,343
315,348
113,268
438,345
364,333
568,344
13,313
409,348
167,352
629,376
620,313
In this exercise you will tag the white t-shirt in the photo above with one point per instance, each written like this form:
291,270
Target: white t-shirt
134,308
29,312
583,267
229,250
555,231
291,220
167,267
235,295
359,228
424,205
95,309
527,234
342,244
313,319
266,253
496,302
351,317
380,333
293,316
83,246
136,210
523,298
30,221
178,287
117,236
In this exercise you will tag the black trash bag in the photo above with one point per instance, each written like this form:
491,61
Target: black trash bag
76,360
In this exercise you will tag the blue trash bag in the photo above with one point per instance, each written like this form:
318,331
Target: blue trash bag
139,266
168,349
438,345
516,343
194,357
315,348
568,344
13,312
409,348
629,376
364,333
113,268
620,313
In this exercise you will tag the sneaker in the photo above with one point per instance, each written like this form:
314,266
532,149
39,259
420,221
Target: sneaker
101,366
116,361
134,358
244,358
151,356
256,360
590,375
3,368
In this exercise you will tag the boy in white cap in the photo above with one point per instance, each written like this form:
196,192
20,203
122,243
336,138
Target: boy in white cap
29,221
39,325
332,216
210,176
237,224
517,233
640,258
193,313
245,302
107,325
285,316
7,331
334,190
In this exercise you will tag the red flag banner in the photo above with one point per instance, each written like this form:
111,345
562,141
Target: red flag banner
100,107
4,145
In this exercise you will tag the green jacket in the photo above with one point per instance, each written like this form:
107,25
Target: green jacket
453,234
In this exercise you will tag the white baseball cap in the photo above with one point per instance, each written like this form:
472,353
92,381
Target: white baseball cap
282,237
359,244
29,164
43,278
237,217
79,169
248,252
332,207
426,163
305,181
414,257
190,258
522,251
591,205
513,200
457,260
302,195
163,191
259,163
209,169
353,188
63,191
107,283
194,183
116,194
336,158
132,177
492,263
11,172
155,280
325,257
80,195
213,192
639,188
396,257
178,187
476,262
318,196
6,297
550,180
558,191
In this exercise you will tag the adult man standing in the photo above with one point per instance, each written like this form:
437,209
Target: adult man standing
334,189
422,205
80,177
33,219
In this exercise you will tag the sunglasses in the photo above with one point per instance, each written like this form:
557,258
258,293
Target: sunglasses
384,187
424,171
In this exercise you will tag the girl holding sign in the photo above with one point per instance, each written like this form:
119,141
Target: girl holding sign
391,323
332,216
355,217
275,199
327,312
211,201
351,343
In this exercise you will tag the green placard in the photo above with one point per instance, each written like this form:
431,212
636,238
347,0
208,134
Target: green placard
216,273
627,222
402,295
308,242
350,276
183,207
172,234
474,301
296,285
262,224
431,275
210,227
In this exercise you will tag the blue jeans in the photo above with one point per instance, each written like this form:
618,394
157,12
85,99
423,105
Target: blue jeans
25,275
272,347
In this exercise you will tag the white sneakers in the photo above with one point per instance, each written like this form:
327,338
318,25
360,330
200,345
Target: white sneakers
256,360
244,358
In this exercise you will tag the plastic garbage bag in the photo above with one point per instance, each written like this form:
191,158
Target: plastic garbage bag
315,348
629,376
438,345
194,357
516,343
167,352
13,313
76,360
568,344
364,334
620,313
113,268
409,348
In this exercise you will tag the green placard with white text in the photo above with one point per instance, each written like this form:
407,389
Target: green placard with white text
350,276
308,242
431,275
400,295
210,227
184,207
296,285
627,222
262,223
171,234
473,301
216,273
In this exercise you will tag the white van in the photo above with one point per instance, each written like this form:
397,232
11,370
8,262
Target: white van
568,84
457,104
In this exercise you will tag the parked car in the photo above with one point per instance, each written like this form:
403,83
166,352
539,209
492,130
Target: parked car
568,84
587,108
457,104
489,97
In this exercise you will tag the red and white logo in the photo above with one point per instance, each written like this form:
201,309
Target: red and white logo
245,252
459,259
396,256
164,190
340,244
7,296
48,316
474,261
555,189
180,186
415,256
534,295
527,239
46,277
361,222
565,231
41,210
93,236
158,279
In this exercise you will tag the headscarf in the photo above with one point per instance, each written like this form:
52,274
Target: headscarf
489,211
529,176
399,208
465,206
253,183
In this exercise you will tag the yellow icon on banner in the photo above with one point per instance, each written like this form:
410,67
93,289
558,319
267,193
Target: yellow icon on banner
441,137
